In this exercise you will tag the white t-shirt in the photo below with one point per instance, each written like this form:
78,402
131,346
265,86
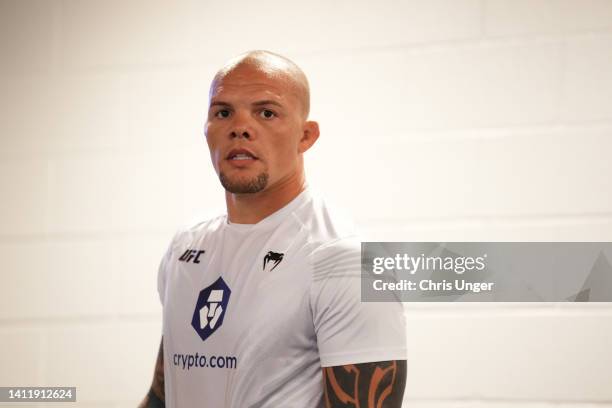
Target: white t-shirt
252,312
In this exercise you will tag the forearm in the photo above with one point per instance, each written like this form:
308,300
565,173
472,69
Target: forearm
156,396
152,401
377,384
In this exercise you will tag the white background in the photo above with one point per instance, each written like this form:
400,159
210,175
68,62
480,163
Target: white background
442,120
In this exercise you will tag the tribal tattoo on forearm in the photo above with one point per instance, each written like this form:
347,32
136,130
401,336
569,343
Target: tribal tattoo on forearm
368,385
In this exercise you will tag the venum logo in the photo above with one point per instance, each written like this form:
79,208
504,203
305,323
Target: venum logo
210,308
272,259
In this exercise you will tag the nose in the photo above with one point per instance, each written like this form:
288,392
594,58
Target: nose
240,132
240,128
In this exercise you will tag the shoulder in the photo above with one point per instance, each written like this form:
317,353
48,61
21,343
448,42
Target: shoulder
330,240
196,230
327,227
336,251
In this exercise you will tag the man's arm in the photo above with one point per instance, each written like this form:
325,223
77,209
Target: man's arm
156,397
368,385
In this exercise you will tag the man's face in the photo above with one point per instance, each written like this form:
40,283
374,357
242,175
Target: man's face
254,127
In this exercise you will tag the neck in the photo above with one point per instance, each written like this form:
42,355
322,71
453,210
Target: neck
252,208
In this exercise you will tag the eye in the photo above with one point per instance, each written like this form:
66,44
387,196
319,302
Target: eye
223,113
267,114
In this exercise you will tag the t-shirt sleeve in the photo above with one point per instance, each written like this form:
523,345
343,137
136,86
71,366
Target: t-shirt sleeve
162,271
348,330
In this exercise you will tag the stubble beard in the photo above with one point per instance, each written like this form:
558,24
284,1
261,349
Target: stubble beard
242,186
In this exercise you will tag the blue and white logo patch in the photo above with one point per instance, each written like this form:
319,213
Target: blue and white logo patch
210,308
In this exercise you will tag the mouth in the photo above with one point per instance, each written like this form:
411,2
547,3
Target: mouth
241,155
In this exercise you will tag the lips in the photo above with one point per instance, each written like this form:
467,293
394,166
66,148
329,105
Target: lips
241,154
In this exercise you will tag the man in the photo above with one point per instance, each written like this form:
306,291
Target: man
261,307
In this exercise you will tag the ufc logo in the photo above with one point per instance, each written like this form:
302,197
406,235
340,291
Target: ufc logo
191,255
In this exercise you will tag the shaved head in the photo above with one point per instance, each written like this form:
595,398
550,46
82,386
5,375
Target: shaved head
271,65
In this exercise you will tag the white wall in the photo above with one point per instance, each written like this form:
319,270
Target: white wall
442,120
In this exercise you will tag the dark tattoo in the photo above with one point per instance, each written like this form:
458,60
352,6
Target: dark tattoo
156,397
369,385
158,378
153,401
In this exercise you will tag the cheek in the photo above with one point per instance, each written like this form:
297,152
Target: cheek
286,152
213,146
211,143
213,134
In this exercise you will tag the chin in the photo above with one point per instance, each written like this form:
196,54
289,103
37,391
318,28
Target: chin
244,184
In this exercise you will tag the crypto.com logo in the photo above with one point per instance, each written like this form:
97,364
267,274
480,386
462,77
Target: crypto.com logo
210,308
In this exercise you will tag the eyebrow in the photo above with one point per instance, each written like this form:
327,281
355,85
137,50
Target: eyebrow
258,103
267,102
219,103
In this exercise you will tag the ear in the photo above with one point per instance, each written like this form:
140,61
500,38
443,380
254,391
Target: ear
310,134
